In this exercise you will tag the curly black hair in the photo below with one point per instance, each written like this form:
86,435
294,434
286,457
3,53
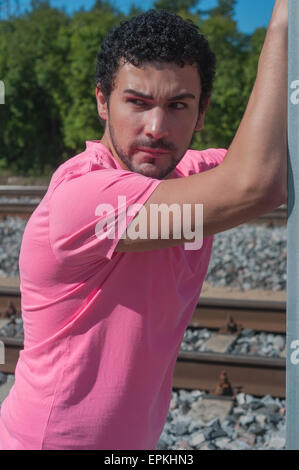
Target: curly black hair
155,36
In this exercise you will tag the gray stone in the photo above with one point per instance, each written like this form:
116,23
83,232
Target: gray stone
256,428
173,403
229,431
222,442
184,408
218,433
248,332
246,420
197,439
249,439
273,407
3,322
261,420
214,423
256,404
194,426
186,397
249,399
237,445
196,394
274,418
268,400
277,442
279,342
182,445
8,330
231,420
219,343
212,446
241,399
239,411
205,410
260,441
207,433
181,425
265,269
205,447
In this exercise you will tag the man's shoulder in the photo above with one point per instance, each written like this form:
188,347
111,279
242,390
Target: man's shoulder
93,157
196,161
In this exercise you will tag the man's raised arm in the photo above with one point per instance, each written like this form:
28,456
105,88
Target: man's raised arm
253,176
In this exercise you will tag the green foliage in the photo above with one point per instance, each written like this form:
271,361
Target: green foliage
227,101
134,11
256,42
175,5
224,8
30,125
105,6
47,62
79,113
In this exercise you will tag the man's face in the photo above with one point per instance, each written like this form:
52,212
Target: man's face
152,114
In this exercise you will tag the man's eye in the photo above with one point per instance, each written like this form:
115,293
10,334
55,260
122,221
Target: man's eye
136,102
178,105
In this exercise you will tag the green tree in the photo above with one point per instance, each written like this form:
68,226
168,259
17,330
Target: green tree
134,10
255,45
31,136
105,6
48,62
227,100
39,4
224,8
78,110
175,5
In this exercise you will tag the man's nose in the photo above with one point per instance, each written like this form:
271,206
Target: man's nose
156,124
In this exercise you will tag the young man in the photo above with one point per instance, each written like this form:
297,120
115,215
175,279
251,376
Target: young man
105,311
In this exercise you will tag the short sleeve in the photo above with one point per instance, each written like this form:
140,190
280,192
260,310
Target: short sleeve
89,213
197,161
215,156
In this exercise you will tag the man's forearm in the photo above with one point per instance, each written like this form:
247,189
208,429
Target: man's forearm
259,149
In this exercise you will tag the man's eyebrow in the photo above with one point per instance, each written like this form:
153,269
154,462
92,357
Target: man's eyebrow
182,96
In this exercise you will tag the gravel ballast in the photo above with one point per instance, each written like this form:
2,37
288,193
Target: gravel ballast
251,424
197,422
246,257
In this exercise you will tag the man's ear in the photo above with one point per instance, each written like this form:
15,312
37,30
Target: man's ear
101,104
201,118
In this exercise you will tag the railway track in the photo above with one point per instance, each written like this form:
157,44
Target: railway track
256,375
15,191
259,315
19,208
276,217
24,210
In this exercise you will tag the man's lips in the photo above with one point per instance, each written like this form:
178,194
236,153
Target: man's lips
153,152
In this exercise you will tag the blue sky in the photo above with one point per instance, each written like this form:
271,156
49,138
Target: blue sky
250,14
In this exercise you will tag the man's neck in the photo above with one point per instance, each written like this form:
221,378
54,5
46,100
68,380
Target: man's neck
106,141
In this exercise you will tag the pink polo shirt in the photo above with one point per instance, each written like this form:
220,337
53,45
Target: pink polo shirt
102,329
